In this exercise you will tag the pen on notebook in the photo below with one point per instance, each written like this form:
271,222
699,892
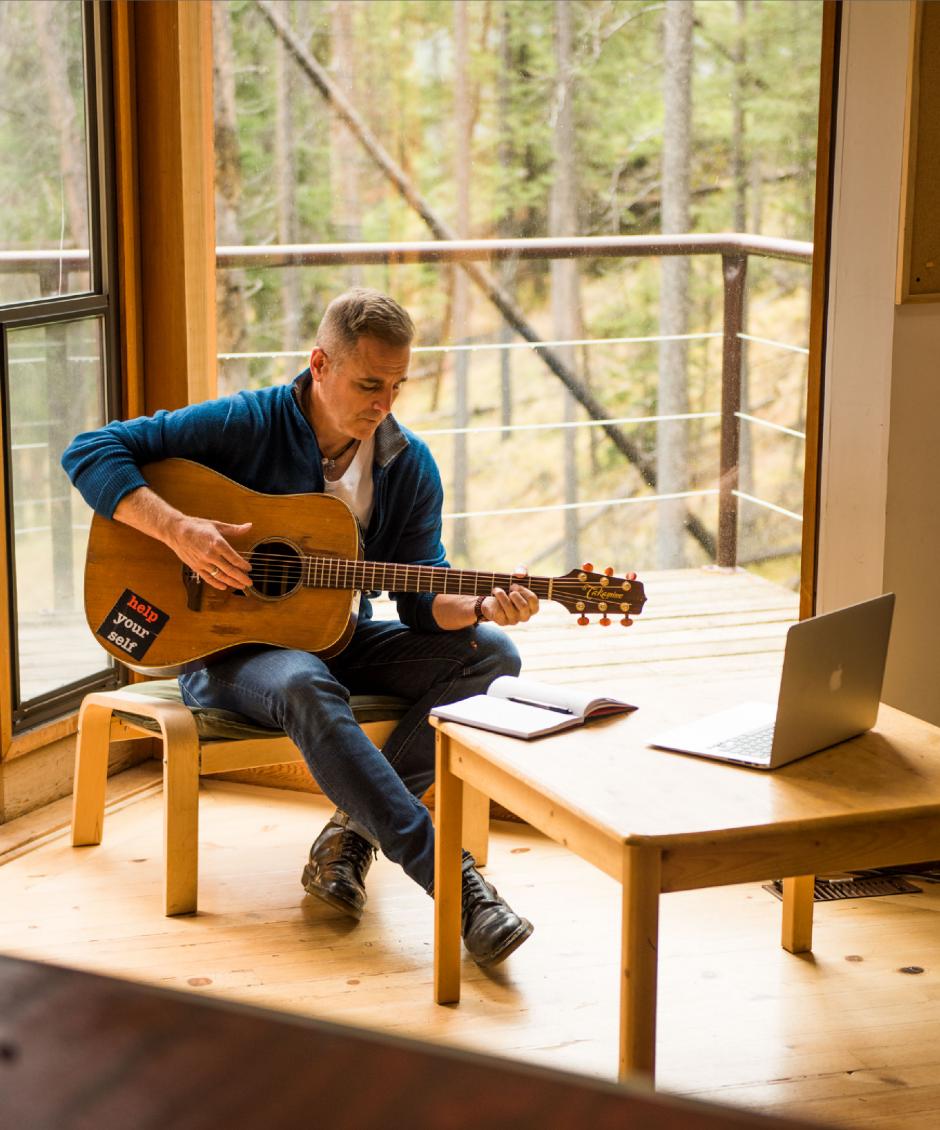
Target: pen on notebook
542,705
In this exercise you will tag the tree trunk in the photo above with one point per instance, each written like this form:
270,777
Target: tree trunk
345,168
738,100
505,229
672,452
284,179
460,317
231,285
563,221
62,116
740,176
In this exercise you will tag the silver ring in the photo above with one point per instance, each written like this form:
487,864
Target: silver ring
214,571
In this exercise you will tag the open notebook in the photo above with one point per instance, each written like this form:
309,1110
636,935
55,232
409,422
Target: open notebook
524,708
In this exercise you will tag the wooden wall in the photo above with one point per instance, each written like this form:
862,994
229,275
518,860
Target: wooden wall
175,213
919,251
879,526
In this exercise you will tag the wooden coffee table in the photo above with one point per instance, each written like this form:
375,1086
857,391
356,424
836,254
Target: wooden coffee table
661,822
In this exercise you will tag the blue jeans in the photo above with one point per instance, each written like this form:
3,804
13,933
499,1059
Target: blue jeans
308,698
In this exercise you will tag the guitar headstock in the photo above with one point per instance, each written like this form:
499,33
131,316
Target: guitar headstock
583,591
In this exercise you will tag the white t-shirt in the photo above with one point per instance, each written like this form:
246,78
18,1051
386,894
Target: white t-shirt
355,486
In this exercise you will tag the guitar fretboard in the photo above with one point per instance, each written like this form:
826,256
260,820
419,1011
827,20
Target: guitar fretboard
340,573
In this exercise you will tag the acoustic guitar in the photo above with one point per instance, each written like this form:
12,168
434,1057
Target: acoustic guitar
157,616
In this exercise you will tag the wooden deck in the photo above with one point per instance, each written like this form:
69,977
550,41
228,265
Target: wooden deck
706,623
848,1035
690,615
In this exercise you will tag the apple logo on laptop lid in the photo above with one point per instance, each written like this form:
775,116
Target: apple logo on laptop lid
835,680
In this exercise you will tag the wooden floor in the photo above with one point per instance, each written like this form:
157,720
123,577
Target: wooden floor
846,1036
843,1036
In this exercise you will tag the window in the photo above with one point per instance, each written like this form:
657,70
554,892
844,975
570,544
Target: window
538,119
57,349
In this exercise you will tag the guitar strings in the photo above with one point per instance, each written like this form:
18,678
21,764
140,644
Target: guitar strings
329,578
308,571
300,562
345,563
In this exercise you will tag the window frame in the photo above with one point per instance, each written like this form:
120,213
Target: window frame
99,301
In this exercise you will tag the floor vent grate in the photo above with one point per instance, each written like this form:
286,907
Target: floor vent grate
830,890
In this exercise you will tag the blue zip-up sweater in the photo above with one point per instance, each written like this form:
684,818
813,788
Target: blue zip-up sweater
263,441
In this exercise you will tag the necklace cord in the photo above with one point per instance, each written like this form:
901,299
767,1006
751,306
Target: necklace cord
330,460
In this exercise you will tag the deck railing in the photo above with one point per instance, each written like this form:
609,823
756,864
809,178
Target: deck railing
734,250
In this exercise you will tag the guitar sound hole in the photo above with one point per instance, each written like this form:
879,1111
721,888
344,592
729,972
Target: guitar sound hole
275,569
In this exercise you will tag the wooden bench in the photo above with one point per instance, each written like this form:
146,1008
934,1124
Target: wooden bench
197,742
145,1056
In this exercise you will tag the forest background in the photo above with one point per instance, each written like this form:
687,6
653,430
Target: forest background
527,118
510,118
497,119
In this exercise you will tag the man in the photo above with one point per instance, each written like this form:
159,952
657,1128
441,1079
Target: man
332,430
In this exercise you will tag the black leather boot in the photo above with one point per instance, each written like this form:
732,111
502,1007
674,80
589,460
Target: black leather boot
339,862
491,928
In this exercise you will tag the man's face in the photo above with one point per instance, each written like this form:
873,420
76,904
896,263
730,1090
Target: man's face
355,391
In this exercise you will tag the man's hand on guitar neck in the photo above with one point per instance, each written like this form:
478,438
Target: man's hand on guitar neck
513,607
453,612
199,543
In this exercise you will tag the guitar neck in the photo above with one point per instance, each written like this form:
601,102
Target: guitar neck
338,573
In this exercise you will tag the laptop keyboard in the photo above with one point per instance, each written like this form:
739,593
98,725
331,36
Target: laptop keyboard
752,743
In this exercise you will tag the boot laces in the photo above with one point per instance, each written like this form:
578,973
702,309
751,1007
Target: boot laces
356,850
476,892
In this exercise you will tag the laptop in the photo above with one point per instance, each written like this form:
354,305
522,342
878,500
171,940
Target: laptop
833,669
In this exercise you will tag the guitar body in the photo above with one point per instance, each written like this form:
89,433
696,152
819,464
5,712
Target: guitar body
145,611
155,615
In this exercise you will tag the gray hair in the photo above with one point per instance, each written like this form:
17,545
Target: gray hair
362,312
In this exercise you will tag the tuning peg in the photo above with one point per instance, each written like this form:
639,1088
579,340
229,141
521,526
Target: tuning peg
605,620
625,622
609,571
582,620
588,567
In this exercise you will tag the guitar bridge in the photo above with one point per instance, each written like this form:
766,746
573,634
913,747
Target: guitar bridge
193,585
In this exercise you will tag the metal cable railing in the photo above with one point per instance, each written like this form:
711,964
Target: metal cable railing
559,425
734,250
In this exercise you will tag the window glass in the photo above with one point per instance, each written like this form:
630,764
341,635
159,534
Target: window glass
43,151
56,378
544,118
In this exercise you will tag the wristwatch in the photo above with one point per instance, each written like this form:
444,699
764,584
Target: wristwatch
478,617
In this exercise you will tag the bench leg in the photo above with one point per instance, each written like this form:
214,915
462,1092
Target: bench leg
91,773
797,935
447,877
180,813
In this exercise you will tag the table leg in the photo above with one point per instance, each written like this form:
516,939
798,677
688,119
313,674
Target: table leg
476,824
641,890
448,809
797,935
